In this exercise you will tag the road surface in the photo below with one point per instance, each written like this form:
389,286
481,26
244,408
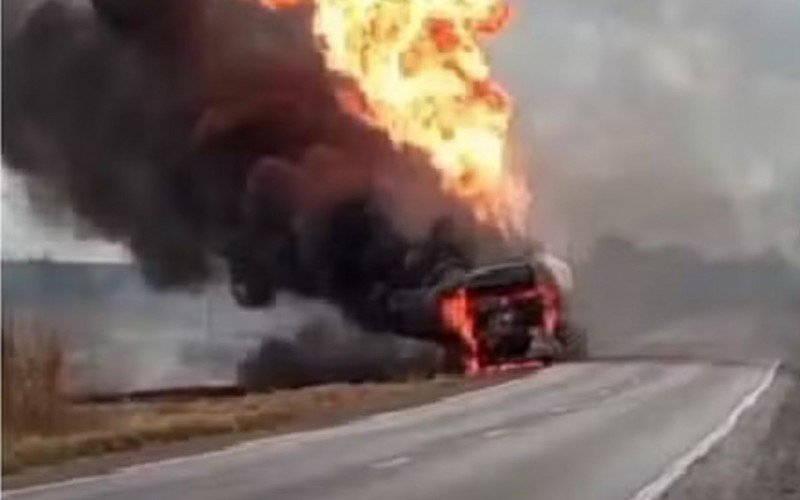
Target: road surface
621,427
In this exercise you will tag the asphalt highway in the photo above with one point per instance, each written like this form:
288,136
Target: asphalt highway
620,427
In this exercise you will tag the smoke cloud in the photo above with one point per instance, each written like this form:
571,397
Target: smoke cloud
207,133
327,349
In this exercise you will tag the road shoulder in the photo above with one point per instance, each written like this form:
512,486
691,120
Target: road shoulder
760,459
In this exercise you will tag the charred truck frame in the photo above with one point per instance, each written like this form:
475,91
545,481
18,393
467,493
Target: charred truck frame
492,315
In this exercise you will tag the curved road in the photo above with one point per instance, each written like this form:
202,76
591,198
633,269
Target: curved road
597,430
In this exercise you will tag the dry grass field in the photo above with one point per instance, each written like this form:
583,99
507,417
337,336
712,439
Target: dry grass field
41,424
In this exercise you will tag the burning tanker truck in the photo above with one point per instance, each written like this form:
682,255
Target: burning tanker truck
485,316
495,314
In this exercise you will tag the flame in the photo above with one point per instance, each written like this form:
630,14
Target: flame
425,80
458,315
417,69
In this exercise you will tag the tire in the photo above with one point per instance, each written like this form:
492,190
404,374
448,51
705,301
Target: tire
574,343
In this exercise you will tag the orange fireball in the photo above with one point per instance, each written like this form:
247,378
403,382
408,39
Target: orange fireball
421,74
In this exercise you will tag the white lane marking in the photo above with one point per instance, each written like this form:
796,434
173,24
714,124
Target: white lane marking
493,433
391,463
676,469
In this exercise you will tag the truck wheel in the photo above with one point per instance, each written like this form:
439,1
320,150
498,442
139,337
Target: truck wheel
574,342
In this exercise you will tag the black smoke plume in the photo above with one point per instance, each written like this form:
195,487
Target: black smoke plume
200,132
325,351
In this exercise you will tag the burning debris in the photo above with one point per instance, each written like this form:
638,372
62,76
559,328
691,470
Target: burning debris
346,151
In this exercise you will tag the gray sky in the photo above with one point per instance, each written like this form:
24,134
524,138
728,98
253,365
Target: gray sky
666,121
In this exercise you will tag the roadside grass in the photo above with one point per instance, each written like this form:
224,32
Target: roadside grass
33,379
130,426
41,426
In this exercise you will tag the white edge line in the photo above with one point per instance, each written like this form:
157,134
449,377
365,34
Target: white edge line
238,447
676,469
